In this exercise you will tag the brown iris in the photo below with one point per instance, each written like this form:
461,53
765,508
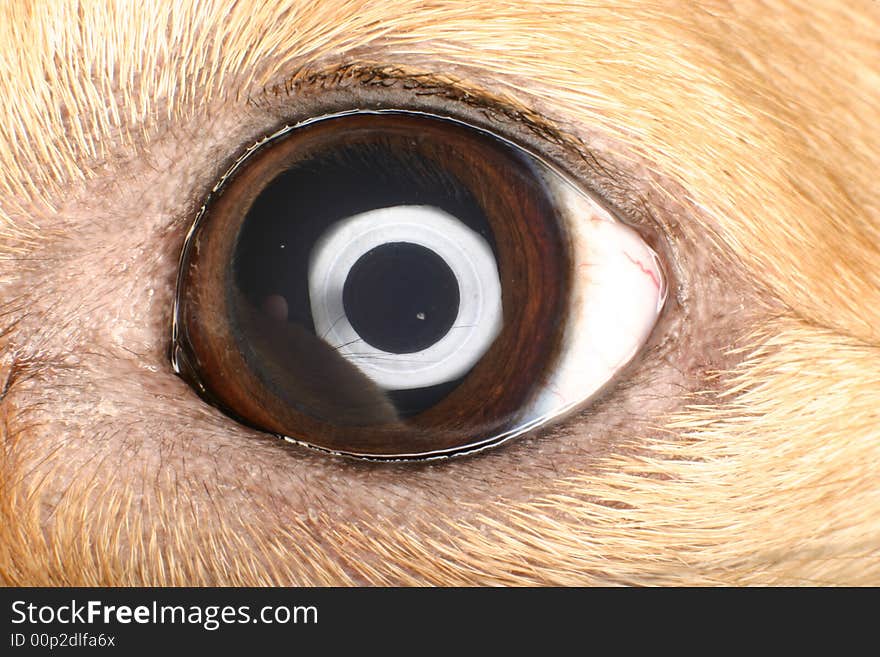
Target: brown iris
244,332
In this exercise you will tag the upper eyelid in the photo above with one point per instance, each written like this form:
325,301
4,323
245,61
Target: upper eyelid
458,99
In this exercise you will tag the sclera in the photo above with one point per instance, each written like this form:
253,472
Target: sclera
617,291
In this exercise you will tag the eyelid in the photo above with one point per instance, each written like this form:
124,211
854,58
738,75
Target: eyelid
369,86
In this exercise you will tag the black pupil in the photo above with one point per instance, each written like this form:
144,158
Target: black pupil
401,297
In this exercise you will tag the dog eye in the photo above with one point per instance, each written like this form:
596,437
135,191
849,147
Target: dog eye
398,285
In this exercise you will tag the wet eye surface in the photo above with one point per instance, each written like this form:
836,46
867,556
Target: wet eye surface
392,285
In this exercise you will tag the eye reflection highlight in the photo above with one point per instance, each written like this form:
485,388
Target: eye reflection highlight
391,285
432,314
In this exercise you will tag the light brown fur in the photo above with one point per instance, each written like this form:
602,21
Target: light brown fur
751,455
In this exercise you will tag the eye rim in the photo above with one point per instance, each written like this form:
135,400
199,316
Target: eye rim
182,360
565,150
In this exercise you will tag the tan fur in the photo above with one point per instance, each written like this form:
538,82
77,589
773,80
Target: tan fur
752,125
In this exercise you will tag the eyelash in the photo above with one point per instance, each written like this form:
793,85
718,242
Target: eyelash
370,87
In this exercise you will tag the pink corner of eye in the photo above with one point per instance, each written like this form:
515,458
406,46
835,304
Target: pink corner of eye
648,270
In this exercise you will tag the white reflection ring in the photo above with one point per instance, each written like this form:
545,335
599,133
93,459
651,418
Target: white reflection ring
464,251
